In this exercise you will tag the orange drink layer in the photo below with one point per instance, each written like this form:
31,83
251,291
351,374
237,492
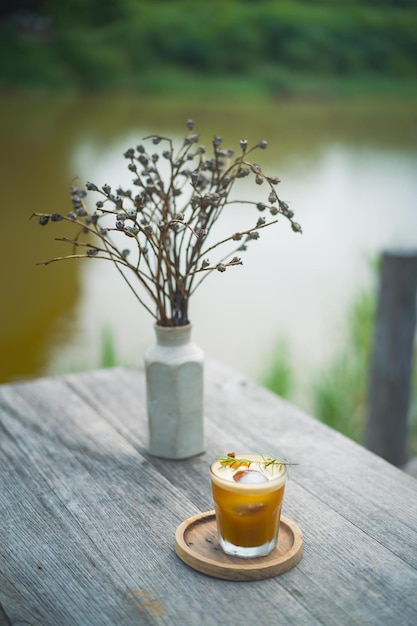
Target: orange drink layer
248,501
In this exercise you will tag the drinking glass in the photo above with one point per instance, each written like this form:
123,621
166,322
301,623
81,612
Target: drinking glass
248,495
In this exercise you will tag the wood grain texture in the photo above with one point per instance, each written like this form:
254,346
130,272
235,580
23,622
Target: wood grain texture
392,357
196,543
88,518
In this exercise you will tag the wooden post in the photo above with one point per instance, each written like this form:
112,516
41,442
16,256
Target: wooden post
391,365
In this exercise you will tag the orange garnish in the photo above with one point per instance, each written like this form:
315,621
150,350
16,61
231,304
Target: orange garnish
234,464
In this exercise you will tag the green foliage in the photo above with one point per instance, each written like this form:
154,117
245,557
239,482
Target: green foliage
338,396
339,392
413,412
98,44
279,376
108,356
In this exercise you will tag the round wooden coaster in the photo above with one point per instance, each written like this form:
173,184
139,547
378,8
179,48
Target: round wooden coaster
196,544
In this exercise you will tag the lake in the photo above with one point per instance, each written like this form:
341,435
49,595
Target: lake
347,169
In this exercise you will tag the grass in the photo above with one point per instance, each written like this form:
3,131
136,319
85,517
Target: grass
338,392
268,82
280,375
107,357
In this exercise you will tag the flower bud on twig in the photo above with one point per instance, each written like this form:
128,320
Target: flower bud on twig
171,217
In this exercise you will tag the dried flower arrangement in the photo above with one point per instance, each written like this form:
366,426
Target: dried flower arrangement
169,220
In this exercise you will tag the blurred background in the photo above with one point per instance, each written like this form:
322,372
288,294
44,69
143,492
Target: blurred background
331,85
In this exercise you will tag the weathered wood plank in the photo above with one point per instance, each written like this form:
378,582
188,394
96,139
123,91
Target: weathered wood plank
88,518
391,367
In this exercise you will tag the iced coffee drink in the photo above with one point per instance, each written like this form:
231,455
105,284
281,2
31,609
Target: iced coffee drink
248,491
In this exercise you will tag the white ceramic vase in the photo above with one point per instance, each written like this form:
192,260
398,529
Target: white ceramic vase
174,394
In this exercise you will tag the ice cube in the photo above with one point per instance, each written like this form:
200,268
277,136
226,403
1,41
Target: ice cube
249,509
249,476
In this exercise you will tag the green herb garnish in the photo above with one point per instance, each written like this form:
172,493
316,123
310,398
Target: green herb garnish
230,460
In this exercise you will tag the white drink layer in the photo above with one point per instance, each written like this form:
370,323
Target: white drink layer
274,473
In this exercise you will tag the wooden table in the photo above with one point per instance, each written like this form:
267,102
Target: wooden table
88,518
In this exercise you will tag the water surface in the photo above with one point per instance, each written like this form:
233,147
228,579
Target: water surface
348,170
